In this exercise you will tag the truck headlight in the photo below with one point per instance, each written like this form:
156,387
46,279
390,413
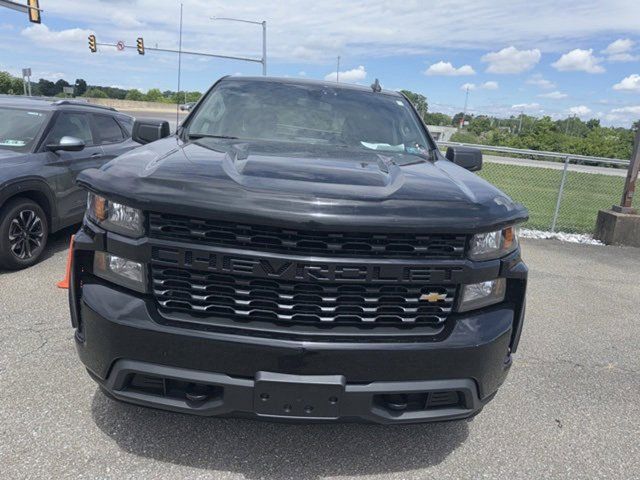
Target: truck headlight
114,216
120,271
483,294
490,245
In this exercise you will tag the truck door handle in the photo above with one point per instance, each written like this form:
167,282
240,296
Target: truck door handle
96,155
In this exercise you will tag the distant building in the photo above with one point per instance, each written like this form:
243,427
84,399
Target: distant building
441,134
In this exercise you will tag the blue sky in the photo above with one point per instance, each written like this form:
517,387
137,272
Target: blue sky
544,58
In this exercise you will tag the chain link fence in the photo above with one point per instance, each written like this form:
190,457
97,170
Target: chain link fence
562,192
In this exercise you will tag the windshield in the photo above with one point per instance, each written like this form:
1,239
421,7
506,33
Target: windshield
19,128
312,114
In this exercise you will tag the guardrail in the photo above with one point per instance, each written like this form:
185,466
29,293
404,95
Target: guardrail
540,153
581,191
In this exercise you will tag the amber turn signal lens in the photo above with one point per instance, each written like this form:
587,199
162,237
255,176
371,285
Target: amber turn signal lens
509,235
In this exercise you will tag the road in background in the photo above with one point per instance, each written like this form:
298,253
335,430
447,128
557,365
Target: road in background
568,409
169,116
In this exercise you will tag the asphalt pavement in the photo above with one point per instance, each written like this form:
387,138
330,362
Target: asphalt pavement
569,408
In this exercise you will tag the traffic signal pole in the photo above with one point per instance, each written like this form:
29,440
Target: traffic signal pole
184,52
32,8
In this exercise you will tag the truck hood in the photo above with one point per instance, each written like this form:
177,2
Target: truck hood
293,184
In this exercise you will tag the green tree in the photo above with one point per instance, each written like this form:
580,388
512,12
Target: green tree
193,96
7,83
95,93
60,84
455,121
154,95
440,119
134,94
418,100
47,88
81,87
480,125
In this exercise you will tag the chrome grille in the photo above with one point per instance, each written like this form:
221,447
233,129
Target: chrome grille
244,298
283,240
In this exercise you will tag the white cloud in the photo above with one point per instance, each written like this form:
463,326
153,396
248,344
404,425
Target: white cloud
623,115
511,60
580,110
629,84
123,19
620,51
53,76
634,110
313,32
526,106
70,39
622,45
579,60
447,69
348,76
556,95
539,81
490,85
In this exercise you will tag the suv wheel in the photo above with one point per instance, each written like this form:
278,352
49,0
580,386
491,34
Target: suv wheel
23,233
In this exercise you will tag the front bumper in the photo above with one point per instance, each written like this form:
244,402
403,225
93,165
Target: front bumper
136,357
120,339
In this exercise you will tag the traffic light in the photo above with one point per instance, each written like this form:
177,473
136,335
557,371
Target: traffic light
34,11
140,45
92,43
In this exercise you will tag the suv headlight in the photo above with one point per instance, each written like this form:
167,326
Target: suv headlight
490,245
114,216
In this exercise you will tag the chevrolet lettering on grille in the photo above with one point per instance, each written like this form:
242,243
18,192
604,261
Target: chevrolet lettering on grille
286,269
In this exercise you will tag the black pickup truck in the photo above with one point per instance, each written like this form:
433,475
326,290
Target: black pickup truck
298,251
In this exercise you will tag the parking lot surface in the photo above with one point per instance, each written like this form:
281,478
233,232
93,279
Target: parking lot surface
569,408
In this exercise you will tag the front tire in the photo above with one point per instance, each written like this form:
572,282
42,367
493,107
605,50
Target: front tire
23,233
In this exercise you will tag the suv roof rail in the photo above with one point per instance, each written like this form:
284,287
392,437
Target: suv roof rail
83,104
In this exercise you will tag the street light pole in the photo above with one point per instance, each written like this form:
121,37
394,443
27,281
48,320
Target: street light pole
264,37
264,48
179,71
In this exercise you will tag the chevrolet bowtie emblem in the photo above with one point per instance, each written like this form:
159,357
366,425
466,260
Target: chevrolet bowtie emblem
433,297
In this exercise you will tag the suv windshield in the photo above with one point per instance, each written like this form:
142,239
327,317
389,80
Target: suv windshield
311,114
19,128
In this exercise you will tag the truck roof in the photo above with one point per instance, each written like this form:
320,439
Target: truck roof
306,81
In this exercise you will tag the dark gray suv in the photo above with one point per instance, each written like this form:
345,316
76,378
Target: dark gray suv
43,147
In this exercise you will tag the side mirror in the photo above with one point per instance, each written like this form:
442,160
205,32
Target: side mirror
149,130
66,144
466,157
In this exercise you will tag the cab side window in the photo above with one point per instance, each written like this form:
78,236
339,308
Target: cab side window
71,125
107,129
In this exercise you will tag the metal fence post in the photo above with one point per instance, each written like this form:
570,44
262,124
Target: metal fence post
560,192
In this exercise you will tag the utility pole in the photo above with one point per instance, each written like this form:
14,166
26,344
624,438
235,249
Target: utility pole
520,124
264,48
179,70
464,111
569,121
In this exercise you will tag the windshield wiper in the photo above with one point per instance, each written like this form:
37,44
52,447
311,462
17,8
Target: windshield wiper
195,136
